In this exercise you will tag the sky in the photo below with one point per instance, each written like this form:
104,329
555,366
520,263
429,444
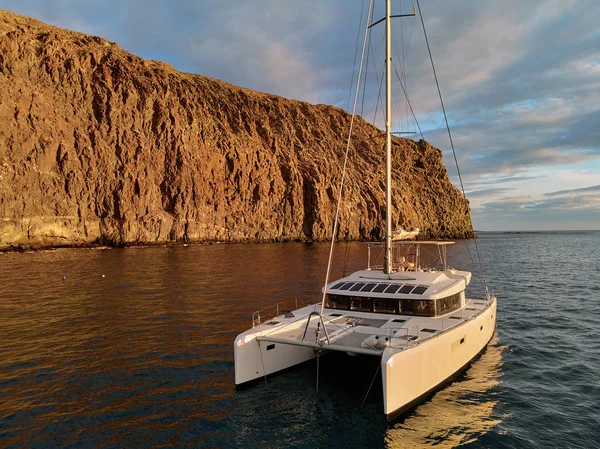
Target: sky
520,80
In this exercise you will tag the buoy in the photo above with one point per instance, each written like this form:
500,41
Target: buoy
64,278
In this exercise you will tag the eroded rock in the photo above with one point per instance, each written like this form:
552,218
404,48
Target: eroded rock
98,146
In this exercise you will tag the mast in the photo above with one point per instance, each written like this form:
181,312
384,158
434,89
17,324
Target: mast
388,137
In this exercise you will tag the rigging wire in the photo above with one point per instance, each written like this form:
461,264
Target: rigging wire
402,61
409,104
379,80
403,76
412,26
355,54
346,257
339,201
372,382
452,145
362,105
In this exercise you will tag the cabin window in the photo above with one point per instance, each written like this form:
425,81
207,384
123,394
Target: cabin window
417,307
336,302
420,307
382,305
361,304
448,304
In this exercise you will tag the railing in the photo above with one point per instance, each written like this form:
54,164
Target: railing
277,309
409,336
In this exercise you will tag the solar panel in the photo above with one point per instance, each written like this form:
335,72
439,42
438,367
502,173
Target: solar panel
380,288
368,287
419,290
406,289
393,288
356,287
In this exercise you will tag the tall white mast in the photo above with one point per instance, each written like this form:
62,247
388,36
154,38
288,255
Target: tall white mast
388,137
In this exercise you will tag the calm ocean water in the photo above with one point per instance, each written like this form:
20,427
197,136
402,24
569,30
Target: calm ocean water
134,348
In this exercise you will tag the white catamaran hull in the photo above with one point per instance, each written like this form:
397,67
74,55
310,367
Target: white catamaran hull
409,376
254,359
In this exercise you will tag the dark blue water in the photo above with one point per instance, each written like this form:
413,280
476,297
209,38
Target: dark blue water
135,349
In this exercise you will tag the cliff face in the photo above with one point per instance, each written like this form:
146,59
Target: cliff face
99,146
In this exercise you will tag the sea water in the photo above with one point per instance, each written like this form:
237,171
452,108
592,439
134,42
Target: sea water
134,348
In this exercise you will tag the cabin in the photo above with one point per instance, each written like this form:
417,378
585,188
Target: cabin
412,289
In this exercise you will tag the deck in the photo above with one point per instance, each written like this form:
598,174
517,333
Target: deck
360,332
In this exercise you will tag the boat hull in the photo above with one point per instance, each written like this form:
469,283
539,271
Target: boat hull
411,375
254,359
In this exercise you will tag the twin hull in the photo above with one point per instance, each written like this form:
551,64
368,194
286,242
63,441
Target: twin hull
409,375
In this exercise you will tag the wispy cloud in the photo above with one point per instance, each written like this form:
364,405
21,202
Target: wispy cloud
485,193
567,209
519,79
583,190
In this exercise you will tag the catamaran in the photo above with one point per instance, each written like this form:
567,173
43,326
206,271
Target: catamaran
406,308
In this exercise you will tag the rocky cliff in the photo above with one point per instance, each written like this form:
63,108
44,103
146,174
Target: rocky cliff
98,146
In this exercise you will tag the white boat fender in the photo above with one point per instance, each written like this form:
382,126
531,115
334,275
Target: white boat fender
375,341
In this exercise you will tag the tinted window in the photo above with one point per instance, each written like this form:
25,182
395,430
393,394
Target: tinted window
338,285
423,307
361,304
346,286
388,305
385,305
448,304
336,302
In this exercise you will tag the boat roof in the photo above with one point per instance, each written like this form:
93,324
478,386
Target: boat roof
431,284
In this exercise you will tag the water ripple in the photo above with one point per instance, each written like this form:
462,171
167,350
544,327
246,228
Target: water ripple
134,349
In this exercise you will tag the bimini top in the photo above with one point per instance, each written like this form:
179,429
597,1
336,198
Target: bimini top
406,254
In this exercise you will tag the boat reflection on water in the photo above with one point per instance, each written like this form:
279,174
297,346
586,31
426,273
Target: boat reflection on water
458,414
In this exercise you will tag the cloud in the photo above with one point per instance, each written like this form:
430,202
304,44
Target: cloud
494,180
519,79
488,192
568,209
583,190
